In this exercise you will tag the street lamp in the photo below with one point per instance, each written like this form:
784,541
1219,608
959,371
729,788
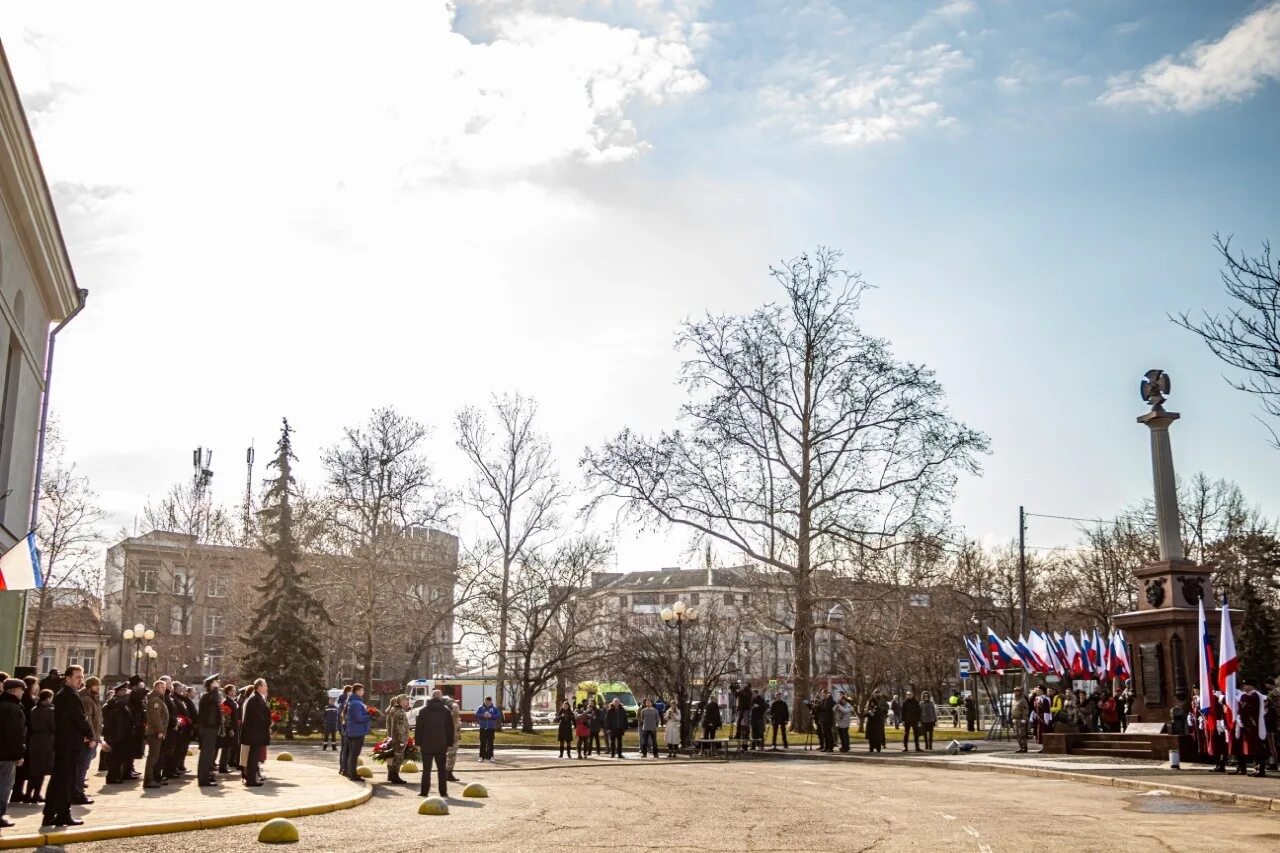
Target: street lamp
675,617
138,635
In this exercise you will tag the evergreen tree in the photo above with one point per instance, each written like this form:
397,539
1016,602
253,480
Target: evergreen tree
282,646
1257,645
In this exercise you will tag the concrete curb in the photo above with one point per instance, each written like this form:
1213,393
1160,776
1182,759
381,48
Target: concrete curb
1228,798
161,827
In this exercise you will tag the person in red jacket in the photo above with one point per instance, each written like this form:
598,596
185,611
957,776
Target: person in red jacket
1252,730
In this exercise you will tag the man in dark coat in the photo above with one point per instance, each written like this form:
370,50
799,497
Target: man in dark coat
174,749
615,724
209,720
255,731
433,732
779,716
13,739
910,721
229,736
827,722
115,730
71,735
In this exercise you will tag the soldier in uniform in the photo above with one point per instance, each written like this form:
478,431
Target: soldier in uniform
1021,712
456,710
157,728
1252,729
398,733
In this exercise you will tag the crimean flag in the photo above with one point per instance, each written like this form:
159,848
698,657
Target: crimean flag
20,565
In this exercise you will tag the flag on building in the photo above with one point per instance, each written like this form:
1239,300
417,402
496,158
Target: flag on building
20,565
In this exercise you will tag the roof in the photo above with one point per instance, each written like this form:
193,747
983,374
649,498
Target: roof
669,579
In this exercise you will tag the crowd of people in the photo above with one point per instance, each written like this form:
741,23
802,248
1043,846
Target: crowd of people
52,730
1252,737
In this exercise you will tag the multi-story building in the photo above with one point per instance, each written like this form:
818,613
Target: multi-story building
197,598
71,632
193,595
37,290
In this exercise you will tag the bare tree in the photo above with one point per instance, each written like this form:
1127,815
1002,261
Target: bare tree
550,622
69,537
1247,336
804,442
515,488
379,485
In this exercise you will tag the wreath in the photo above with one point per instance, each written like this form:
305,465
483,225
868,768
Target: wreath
384,749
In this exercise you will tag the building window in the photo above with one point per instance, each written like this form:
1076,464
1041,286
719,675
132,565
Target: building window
693,598
148,579
920,599
47,657
218,586
182,582
622,601
213,624
728,598
87,658
212,660
145,615
179,619
645,598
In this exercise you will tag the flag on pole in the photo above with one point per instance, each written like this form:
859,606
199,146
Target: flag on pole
976,658
1000,653
1119,657
1228,666
1075,658
20,565
1208,682
1099,660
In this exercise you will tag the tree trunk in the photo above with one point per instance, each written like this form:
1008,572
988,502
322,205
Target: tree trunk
801,662
526,710
502,635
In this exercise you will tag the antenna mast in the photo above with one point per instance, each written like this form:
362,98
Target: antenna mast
248,490
201,462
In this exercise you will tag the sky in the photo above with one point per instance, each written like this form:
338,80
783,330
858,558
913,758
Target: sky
315,209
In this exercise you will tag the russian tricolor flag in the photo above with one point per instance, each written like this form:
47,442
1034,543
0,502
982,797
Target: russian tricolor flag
20,566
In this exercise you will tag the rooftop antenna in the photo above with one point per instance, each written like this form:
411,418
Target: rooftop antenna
201,462
248,490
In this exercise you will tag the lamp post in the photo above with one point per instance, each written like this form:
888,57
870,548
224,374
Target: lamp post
139,635
675,617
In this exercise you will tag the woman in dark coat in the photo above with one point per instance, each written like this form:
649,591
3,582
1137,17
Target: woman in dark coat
28,701
710,719
255,731
40,746
875,713
564,729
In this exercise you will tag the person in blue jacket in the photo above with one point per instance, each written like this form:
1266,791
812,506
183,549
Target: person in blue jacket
330,726
488,716
357,726
342,729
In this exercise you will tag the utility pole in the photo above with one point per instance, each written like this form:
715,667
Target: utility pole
1022,584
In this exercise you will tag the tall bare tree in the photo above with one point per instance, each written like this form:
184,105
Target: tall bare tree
379,485
804,442
1247,335
515,488
69,535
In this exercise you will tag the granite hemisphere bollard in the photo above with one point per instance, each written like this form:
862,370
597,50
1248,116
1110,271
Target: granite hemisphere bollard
278,831
475,790
285,756
435,806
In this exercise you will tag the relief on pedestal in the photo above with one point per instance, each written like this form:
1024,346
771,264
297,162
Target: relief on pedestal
1155,593
1192,587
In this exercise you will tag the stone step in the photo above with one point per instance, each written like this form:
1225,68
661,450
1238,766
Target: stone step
1111,752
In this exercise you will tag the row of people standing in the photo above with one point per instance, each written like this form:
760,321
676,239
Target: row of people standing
833,715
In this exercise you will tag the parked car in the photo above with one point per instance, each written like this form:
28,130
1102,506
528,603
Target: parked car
543,717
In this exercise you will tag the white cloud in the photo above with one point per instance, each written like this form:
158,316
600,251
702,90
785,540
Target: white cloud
1207,74
868,105
956,9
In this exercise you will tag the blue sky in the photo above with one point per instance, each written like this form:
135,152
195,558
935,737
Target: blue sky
430,204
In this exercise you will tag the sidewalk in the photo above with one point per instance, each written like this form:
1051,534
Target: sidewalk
119,811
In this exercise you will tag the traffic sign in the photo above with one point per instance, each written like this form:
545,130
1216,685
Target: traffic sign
962,666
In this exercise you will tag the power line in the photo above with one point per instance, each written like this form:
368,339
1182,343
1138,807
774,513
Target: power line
1075,518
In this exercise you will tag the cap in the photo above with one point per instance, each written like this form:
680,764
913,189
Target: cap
210,680
14,684
124,685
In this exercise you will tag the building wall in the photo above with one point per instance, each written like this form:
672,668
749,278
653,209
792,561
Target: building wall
37,289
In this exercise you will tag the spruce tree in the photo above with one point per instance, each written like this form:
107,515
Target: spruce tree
282,645
1257,644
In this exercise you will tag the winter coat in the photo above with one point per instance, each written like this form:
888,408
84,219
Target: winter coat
928,711
649,719
564,728
255,730
779,713
71,726
597,720
488,717
136,708
209,713
615,718
843,715
582,725
331,718
157,714
398,728
433,730
911,710
711,715
40,742
358,717
13,728
673,726
92,712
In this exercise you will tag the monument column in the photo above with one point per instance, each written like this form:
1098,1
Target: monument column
1158,422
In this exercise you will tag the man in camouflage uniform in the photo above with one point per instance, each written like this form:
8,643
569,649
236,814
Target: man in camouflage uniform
456,710
157,727
398,732
1021,712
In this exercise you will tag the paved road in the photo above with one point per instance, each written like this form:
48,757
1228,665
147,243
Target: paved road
539,803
